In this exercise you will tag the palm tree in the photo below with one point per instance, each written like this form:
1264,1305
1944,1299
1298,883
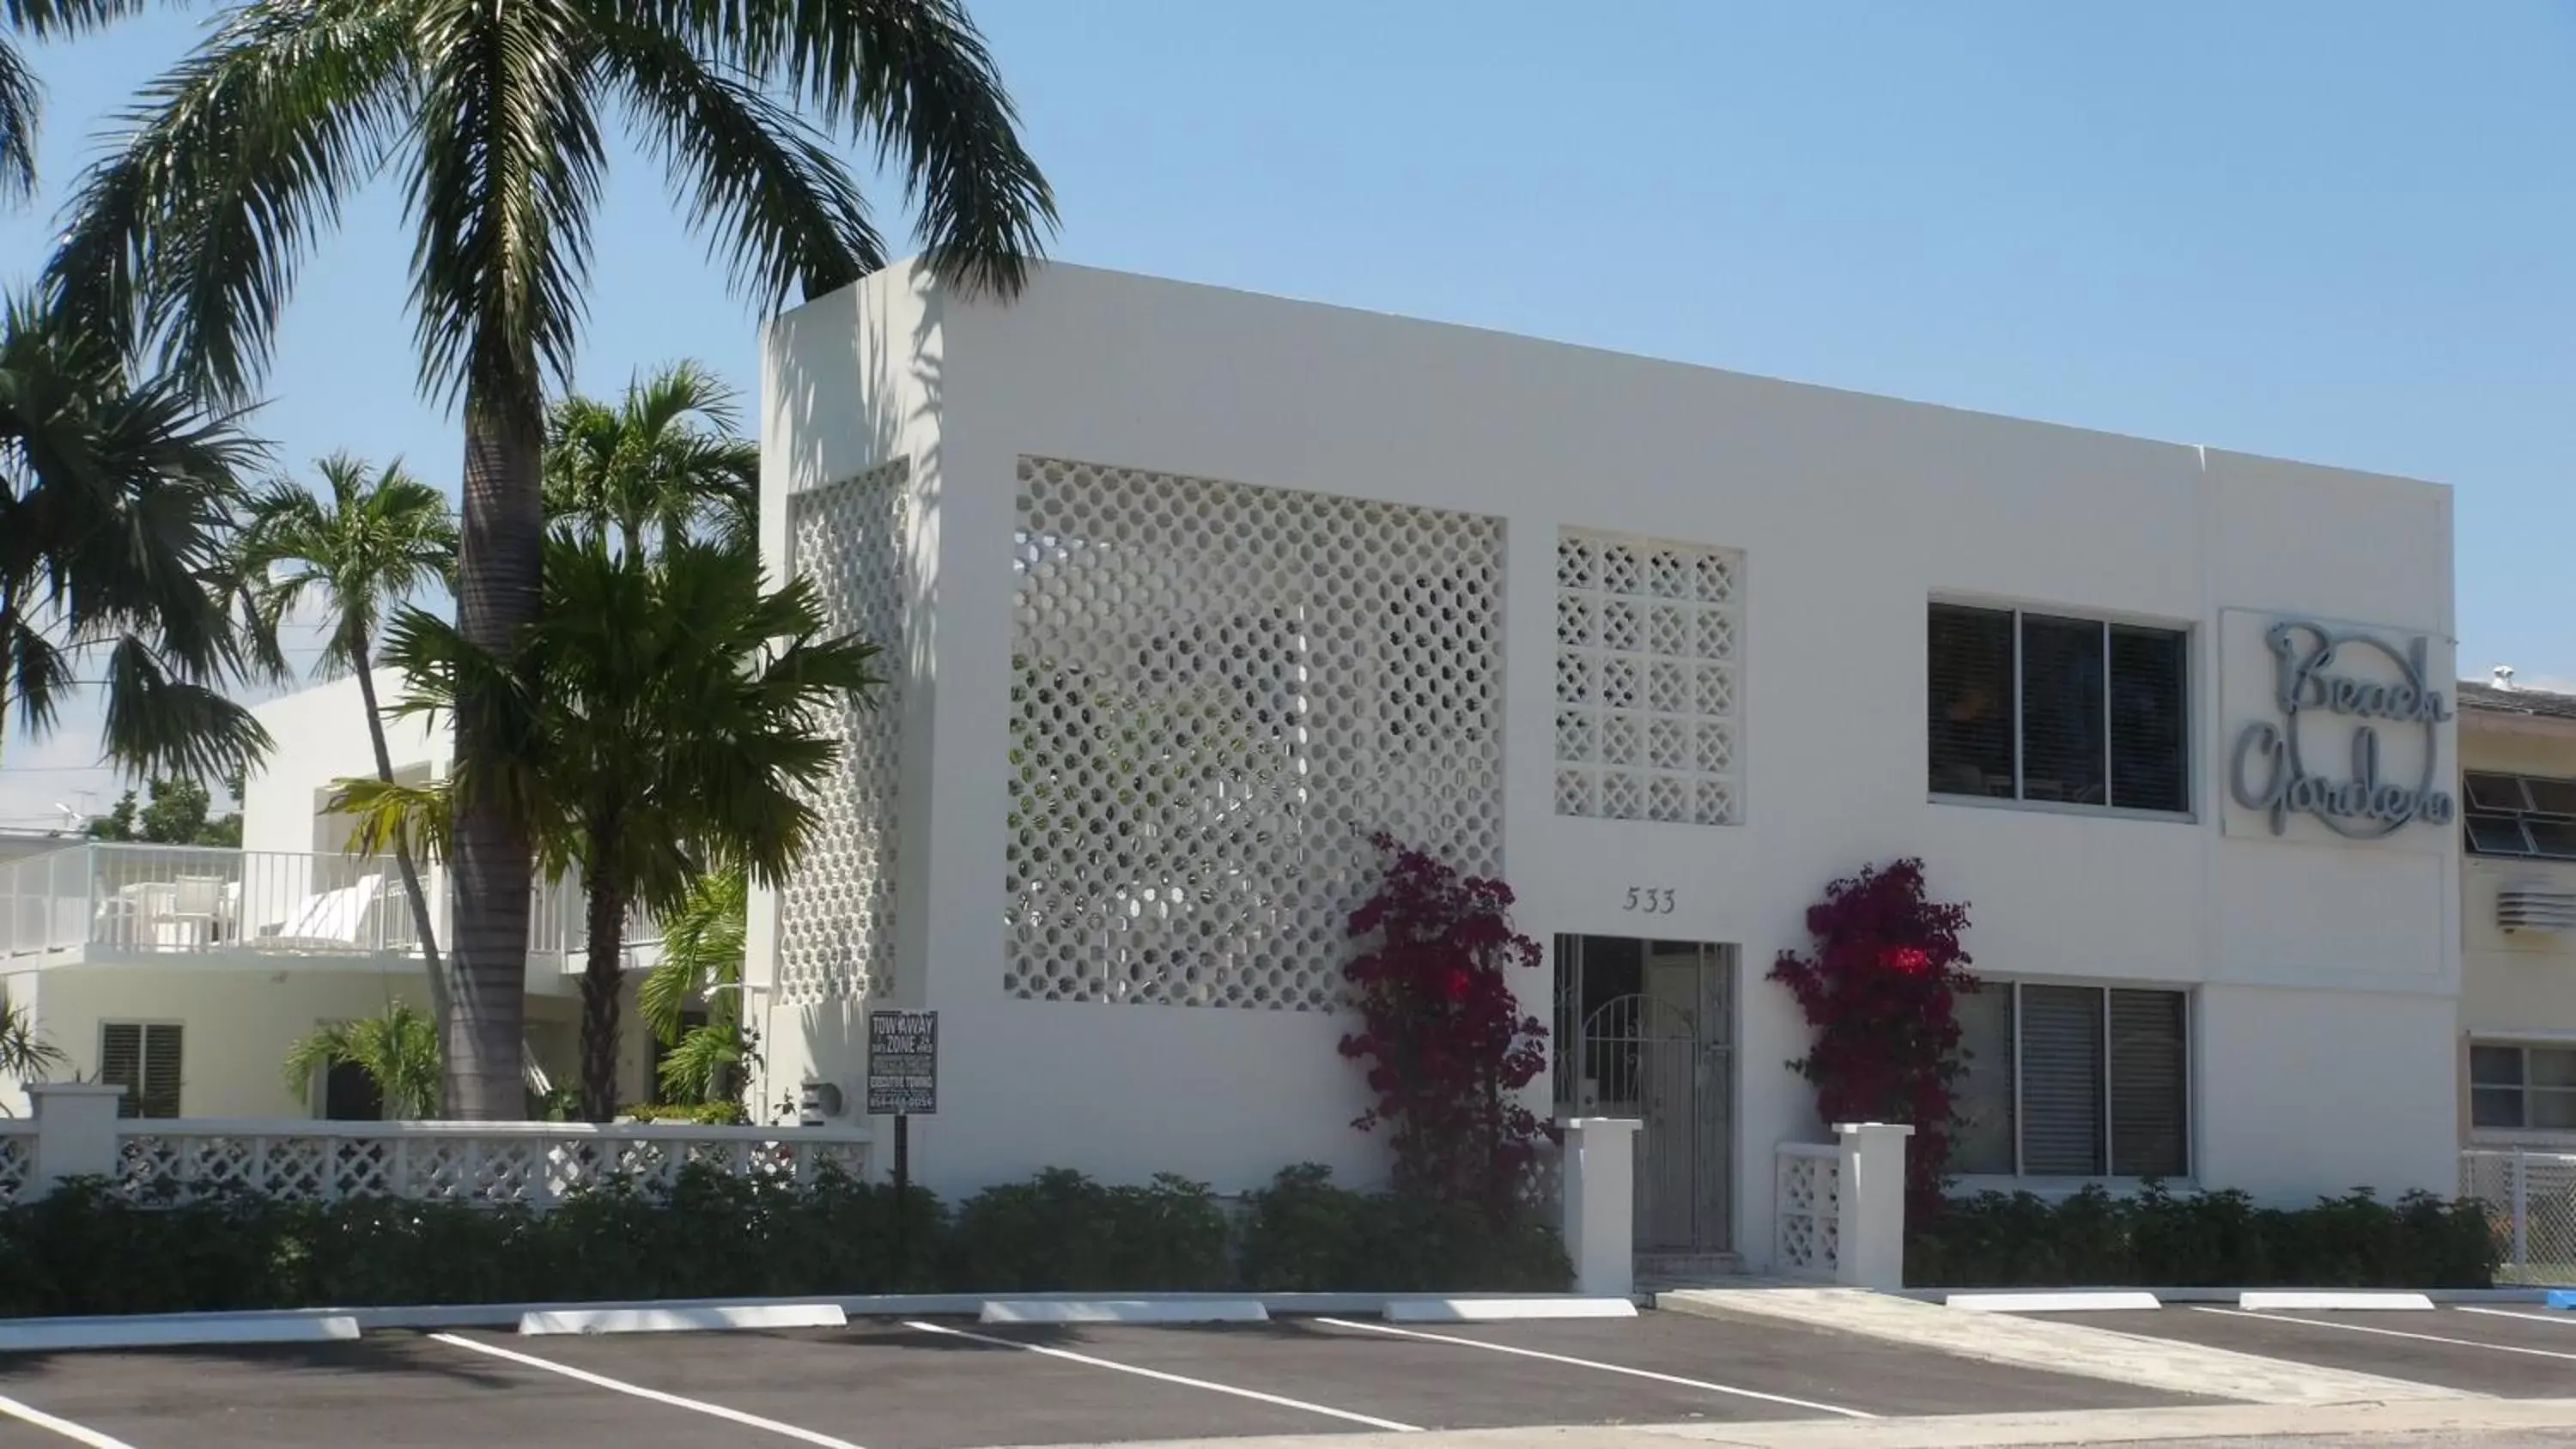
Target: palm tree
25,1054
398,1050
192,231
665,458
702,947
21,98
116,509
382,537
661,719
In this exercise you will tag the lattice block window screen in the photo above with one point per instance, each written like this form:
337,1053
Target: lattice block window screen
1217,692
836,915
1648,691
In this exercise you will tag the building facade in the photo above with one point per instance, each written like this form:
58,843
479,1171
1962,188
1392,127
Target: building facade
1187,591
2518,916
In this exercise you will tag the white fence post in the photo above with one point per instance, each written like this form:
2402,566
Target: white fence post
1872,1249
1598,1166
75,1132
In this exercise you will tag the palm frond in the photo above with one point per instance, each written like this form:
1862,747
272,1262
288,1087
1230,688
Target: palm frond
161,723
388,815
21,102
702,947
774,201
916,74
193,230
397,1049
504,181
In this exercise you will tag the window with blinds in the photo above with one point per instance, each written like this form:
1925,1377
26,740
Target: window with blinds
2066,711
145,1060
2073,1081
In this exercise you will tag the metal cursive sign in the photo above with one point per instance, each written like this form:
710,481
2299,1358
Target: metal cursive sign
2272,770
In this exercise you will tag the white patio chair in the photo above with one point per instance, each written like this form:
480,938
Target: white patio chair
334,921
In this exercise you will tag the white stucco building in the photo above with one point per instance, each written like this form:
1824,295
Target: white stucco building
1186,589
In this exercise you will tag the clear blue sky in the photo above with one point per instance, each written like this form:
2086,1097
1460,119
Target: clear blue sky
2331,230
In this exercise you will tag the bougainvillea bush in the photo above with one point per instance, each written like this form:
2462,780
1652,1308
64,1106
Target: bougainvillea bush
1880,989
1447,1046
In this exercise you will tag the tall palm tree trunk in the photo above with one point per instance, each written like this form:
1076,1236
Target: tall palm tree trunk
600,983
497,578
419,899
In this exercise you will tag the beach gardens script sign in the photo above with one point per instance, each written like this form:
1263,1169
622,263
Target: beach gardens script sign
2352,738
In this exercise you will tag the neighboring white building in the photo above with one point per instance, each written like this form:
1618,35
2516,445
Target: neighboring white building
2518,983
1185,590
188,972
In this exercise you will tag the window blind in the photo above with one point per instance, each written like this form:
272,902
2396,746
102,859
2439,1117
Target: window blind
2149,732
2148,1085
1970,659
2061,711
2061,1081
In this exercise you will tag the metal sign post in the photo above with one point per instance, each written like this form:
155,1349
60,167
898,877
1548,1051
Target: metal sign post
903,1078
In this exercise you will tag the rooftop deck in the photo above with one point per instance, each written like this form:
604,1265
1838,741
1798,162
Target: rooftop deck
195,905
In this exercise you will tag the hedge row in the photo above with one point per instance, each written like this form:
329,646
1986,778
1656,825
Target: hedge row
2156,1239
85,1250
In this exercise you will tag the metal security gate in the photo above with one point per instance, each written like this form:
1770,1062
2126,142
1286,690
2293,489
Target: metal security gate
1660,1054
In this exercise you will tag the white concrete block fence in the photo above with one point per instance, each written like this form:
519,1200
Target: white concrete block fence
1839,1208
74,1132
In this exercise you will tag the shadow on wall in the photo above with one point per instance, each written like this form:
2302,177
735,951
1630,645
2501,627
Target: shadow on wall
895,390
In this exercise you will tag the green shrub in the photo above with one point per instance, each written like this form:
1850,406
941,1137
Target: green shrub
1303,1234
710,1114
2157,1239
1061,1230
85,1249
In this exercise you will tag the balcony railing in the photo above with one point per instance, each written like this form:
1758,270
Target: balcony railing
106,900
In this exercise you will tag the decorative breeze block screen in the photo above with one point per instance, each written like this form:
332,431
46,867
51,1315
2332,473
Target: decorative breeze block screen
1218,691
1647,696
836,913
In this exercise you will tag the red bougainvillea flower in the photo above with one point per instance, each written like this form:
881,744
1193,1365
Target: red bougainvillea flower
1880,991
1448,1047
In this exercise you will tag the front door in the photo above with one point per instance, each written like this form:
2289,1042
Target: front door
1644,1030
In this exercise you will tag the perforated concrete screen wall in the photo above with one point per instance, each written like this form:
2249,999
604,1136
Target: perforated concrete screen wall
1218,691
836,913
1647,684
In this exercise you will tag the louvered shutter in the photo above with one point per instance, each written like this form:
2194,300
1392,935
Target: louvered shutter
120,1064
2061,1081
161,1071
2150,720
2150,1134
1970,728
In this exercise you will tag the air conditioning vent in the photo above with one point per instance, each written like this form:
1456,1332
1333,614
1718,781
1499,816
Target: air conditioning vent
2535,908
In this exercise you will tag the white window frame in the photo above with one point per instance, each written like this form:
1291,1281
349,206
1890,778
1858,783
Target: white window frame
2507,1136
2194,685
2064,1185
2521,817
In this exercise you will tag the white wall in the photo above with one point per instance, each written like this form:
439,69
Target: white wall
321,736
1853,511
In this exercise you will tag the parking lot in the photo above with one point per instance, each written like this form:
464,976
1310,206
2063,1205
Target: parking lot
947,1384
2509,1350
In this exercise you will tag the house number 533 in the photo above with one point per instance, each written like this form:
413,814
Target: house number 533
1646,900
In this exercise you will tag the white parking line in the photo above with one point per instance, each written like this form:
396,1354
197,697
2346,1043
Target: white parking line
2559,1316
65,1427
1614,1368
1129,1368
701,1406
2388,1332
